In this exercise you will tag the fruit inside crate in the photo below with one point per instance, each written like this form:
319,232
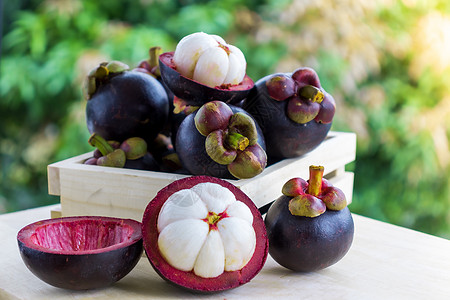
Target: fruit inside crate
95,190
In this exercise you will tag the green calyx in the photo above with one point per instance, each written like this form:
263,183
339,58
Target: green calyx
100,143
216,150
231,139
306,105
306,206
312,199
110,157
153,61
223,145
236,141
102,73
311,93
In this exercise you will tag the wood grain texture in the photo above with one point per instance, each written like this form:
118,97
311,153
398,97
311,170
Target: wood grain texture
385,262
116,192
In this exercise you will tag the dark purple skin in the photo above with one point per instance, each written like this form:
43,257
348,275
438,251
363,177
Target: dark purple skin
130,104
195,93
105,269
81,271
190,145
284,137
146,163
175,122
307,244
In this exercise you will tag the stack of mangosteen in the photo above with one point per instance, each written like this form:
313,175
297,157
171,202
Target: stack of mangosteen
195,111
220,123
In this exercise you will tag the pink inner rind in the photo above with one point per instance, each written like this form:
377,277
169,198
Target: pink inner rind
246,84
80,235
226,280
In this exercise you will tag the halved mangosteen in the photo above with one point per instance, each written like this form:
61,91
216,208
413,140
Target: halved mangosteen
204,67
81,253
204,234
196,93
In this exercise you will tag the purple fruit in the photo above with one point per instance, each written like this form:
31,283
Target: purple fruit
221,140
293,110
146,163
310,226
204,234
123,104
195,93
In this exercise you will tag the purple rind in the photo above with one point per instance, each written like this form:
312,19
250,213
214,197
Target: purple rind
195,93
284,138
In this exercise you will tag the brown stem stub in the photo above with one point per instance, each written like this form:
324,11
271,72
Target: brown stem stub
315,180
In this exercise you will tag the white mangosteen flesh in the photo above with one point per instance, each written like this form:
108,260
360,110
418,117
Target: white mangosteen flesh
208,59
206,230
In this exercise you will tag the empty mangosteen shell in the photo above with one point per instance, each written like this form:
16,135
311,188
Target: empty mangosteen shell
196,93
190,145
284,137
306,244
81,270
188,280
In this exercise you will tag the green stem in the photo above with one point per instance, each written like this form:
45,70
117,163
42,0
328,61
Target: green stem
155,52
236,141
311,93
101,144
315,180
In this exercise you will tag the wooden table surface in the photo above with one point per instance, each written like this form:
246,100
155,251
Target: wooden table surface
384,262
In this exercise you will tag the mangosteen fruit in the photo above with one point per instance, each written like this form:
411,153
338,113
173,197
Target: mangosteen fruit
294,111
80,253
107,154
310,226
145,163
123,103
221,140
151,67
204,234
203,68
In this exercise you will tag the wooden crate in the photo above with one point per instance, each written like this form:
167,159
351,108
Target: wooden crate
94,190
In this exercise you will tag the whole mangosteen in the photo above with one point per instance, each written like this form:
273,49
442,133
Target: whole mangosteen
81,253
123,104
221,140
204,234
310,227
295,113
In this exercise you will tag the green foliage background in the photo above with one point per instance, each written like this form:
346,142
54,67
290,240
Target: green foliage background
386,62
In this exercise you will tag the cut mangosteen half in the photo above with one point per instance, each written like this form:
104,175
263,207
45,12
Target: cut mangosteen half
196,93
204,234
83,252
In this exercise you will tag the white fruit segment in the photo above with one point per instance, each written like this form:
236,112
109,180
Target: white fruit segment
235,235
212,67
211,258
209,60
215,197
206,230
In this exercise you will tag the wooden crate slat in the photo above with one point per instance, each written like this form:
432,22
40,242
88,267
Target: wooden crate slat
118,192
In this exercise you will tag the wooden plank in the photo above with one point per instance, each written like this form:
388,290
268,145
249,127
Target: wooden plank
384,262
87,189
335,153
